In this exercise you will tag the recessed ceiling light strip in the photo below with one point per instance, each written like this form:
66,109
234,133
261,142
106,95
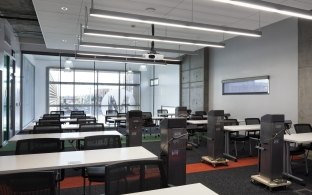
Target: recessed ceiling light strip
130,36
270,7
172,23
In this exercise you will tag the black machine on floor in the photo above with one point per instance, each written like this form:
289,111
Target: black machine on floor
271,152
134,128
173,149
215,138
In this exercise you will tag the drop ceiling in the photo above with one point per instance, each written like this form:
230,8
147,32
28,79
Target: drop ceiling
61,28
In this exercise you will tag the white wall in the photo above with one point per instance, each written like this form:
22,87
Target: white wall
274,54
167,93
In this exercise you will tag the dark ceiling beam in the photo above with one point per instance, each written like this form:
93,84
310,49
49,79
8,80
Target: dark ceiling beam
18,18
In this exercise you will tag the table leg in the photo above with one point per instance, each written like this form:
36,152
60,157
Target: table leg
227,147
287,166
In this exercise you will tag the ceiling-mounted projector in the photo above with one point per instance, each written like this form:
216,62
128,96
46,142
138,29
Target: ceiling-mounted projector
153,56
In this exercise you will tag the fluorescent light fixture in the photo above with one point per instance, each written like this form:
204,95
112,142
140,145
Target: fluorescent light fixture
129,61
171,23
131,48
124,56
131,36
270,7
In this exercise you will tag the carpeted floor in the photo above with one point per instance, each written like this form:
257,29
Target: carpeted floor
231,179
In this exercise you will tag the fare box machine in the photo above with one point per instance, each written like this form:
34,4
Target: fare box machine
215,139
271,152
134,128
173,149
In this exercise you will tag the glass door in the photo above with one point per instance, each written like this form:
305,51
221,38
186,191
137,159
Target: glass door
8,98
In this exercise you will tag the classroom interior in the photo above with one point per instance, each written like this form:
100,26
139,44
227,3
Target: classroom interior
160,58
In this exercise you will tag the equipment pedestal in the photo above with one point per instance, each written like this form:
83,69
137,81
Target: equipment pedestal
270,183
215,162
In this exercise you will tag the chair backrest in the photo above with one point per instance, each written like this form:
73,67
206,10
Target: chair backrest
39,183
303,128
196,117
162,111
230,122
112,112
200,113
51,116
91,127
134,176
102,142
60,112
77,112
86,120
47,129
49,122
78,116
35,146
147,118
252,121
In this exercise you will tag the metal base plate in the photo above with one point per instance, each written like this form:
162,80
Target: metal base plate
269,183
215,162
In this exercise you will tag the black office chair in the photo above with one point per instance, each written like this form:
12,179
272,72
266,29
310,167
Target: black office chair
91,127
304,128
86,120
51,116
200,113
253,121
299,150
147,122
235,136
97,173
49,122
35,146
134,176
121,124
47,129
77,112
109,114
41,145
30,183
77,116
160,112
61,112
195,130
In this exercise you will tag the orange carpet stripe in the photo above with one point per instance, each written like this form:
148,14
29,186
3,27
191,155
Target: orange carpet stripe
77,181
203,167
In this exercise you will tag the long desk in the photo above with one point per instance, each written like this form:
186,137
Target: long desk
119,119
302,138
197,122
197,188
229,129
64,136
73,159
